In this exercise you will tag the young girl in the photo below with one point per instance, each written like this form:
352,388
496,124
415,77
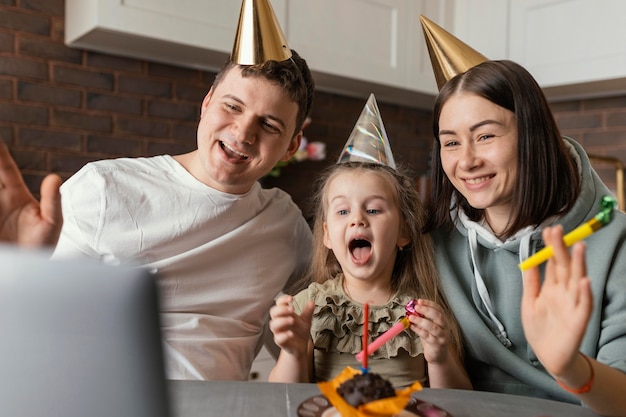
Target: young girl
368,248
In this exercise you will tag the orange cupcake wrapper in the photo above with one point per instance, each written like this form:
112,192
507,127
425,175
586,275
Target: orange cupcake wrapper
380,408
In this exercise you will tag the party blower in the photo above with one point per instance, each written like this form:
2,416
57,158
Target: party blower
607,205
395,330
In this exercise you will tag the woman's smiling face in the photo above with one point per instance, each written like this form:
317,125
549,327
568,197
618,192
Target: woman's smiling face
478,150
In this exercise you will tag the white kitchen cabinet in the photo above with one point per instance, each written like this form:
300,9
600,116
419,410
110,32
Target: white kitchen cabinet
353,47
356,47
189,33
483,25
573,47
362,39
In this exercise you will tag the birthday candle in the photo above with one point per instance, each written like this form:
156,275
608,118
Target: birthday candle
366,311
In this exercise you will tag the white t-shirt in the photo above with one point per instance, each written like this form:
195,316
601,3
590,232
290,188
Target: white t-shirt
220,258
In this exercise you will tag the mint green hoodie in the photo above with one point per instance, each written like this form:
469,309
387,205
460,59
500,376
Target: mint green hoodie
498,357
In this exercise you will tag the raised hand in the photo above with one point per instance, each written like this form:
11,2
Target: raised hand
292,332
24,220
555,314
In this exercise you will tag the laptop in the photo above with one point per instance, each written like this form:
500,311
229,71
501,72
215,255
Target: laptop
78,339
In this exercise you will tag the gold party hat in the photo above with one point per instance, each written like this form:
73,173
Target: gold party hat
368,141
259,37
448,54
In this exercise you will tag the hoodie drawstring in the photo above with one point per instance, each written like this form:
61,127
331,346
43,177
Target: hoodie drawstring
500,332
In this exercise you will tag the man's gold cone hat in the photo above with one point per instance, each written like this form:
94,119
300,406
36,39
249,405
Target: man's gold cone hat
259,37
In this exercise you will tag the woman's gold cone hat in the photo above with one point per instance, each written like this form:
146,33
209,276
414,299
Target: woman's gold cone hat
449,56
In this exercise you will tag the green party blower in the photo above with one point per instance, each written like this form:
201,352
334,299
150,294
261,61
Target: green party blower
607,205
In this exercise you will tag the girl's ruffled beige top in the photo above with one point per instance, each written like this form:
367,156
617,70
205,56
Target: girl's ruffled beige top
337,332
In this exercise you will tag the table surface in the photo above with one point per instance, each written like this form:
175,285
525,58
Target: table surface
260,399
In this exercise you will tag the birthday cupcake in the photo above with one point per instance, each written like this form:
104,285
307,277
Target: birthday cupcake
365,388
357,394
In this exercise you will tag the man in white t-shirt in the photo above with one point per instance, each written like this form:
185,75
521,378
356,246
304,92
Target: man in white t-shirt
223,246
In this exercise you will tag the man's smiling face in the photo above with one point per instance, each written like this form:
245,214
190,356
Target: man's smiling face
247,125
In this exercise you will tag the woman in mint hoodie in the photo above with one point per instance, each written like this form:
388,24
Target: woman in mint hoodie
502,175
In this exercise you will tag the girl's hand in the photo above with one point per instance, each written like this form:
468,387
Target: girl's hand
291,331
555,314
432,327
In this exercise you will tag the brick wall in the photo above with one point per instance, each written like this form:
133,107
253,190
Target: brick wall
600,126
61,108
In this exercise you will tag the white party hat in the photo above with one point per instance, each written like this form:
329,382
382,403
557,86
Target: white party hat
368,141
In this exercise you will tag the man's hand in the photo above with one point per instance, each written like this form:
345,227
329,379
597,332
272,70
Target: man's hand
24,220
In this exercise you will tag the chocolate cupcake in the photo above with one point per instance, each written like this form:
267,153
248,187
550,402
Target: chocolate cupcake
365,388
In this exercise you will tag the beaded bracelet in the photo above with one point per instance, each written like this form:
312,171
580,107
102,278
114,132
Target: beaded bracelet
584,388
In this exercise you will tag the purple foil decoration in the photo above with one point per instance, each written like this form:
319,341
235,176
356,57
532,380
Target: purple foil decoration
410,309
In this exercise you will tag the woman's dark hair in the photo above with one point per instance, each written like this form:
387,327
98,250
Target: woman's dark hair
293,75
548,182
